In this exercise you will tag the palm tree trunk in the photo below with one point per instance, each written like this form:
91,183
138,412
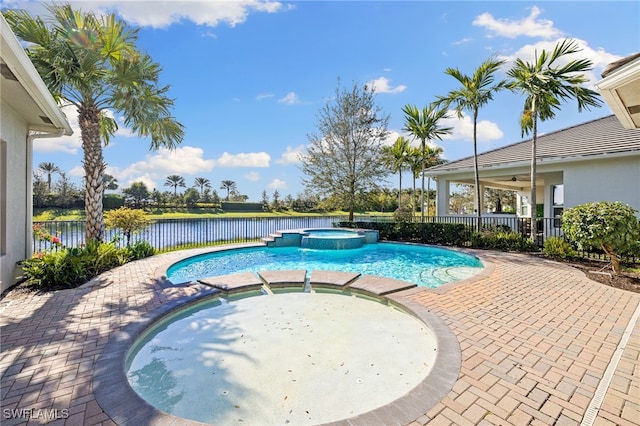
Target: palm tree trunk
93,162
400,190
422,187
475,170
534,189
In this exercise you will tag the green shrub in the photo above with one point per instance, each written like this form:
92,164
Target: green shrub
501,240
426,233
612,227
403,214
69,267
128,220
141,249
559,247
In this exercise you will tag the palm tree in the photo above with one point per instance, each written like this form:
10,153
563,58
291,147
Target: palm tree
424,125
92,62
175,181
396,155
475,92
202,183
414,161
546,83
433,158
229,185
110,182
48,169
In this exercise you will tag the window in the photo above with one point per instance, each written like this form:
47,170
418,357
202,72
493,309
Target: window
557,203
524,206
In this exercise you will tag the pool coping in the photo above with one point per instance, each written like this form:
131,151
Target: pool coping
120,402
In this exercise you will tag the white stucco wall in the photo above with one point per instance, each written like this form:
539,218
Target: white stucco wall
615,179
13,133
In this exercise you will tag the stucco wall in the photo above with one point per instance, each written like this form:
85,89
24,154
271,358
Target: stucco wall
615,179
13,133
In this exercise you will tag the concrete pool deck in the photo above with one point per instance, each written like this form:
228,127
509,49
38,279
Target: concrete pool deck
540,344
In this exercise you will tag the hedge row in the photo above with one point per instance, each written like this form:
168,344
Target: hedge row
446,234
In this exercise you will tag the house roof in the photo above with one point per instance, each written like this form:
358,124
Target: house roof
620,88
23,88
603,136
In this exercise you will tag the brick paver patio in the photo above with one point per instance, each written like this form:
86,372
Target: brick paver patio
541,344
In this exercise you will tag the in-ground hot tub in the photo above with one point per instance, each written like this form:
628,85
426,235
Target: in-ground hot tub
323,238
332,239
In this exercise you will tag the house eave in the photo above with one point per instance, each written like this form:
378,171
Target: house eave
21,67
620,91
539,162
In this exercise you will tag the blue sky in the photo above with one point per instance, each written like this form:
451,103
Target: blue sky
249,77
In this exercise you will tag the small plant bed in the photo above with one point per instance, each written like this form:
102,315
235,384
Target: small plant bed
600,271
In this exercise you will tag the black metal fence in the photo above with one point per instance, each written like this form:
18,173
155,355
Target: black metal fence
168,233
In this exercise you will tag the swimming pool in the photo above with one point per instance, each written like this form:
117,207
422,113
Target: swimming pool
424,266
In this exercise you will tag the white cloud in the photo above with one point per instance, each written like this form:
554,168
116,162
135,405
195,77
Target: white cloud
73,144
252,176
290,99
381,85
264,96
277,184
529,26
599,57
291,155
161,14
463,128
251,159
462,41
186,160
69,144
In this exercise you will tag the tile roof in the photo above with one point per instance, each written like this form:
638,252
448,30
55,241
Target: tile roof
597,137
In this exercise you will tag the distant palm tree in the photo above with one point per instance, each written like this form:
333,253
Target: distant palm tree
48,169
475,91
545,83
396,155
414,161
202,183
175,181
229,185
110,182
424,125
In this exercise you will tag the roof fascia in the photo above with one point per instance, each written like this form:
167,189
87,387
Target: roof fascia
608,90
15,57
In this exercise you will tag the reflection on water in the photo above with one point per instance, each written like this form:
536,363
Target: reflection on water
157,384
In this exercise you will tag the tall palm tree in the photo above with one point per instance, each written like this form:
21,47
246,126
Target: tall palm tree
175,181
202,183
396,155
48,169
92,62
474,92
424,125
414,161
545,83
229,185
433,158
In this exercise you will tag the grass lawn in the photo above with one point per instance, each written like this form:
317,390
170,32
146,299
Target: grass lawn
76,214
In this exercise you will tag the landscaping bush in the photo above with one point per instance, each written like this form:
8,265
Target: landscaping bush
501,240
403,214
141,249
558,247
427,233
128,220
610,226
69,267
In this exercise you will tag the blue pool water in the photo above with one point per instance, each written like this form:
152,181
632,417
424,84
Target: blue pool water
421,265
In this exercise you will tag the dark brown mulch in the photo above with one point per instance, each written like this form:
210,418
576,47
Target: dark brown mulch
603,273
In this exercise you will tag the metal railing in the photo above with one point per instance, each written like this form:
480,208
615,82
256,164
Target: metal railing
165,234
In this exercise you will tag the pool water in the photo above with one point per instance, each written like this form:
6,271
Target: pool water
293,358
421,265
